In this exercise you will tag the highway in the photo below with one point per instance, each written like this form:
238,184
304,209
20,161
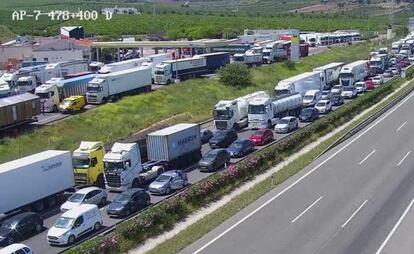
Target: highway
356,198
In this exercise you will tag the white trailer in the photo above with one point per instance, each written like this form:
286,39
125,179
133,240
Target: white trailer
251,57
8,84
266,112
299,84
354,72
64,68
112,86
274,51
122,65
233,113
330,73
35,181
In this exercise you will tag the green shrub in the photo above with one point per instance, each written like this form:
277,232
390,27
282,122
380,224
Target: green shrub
236,75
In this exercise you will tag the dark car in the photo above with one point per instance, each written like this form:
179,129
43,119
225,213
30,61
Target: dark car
240,148
223,138
205,136
337,100
129,202
262,137
19,227
308,115
214,160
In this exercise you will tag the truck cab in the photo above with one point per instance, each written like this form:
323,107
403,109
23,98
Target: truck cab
49,97
163,74
226,115
72,104
97,91
88,163
8,84
122,166
26,84
260,113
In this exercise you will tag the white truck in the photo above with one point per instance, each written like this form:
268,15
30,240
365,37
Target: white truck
251,57
266,112
55,90
300,84
329,74
354,72
233,113
122,65
273,52
378,64
35,182
8,84
395,47
111,86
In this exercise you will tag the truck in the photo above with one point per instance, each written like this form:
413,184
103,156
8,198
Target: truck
8,84
299,84
395,47
18,110
272,51
354,72
251,57
266,112
35,182
61,69
56,89
233,113
122,65
166,72
378,64
112,86
330,73
88,166
233,48
177,146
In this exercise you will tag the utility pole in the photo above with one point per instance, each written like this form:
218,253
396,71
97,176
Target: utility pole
153,8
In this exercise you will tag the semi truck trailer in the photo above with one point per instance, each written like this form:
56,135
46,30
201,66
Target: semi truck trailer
330,73
354,72
299,84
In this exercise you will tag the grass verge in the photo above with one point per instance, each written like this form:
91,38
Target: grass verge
203,226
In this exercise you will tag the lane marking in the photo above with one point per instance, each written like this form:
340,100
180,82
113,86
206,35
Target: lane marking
402,125
366,158
352,216
302,177
307,209
405,156
395,227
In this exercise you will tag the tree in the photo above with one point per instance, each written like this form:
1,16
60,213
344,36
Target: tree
235,75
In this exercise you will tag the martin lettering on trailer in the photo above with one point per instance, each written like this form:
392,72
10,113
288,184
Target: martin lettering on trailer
186,140
51,166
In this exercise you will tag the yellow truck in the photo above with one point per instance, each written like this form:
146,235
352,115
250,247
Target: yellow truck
72,104
88,163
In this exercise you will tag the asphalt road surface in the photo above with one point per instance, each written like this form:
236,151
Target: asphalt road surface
357,198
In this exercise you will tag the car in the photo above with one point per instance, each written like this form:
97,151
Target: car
378,80
392,61
326,95
129,202
74,224
324,106
309,115
88,195
262,137
361,87
411,58
311,98
205,136
404,63
388,74
19,227
240,148
16,248
337,100
337,89
349,92
223,138
369,84
72,104
214,160
395,71
287,124
169,181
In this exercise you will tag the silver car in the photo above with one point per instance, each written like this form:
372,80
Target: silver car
89,195
169,181
326,95
287,124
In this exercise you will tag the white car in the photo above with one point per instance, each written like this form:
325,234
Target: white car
361,87
324,106
287,124
336,89
411,58
395,71
16,248
89,195
349,92
378,80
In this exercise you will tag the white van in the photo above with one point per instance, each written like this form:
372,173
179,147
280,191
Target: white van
75,223
16,248
311,97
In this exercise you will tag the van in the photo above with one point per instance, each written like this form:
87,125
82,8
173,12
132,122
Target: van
16,248
75,223
311,98
72,104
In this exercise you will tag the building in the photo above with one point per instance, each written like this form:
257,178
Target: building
75,32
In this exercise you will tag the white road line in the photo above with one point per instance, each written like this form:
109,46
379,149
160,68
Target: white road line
307,209
301,178
395,227
402,125
405,156
366,158
352,216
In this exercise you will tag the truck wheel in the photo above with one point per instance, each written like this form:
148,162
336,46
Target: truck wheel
71,240
51,201
135,183
269,124
100,182
55,109
104,100
236,127
168,82
39,206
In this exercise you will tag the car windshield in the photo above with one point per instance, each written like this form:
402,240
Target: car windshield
266,53
76,198
222,114
359,85
307,111
259,133
159,72
67,102
346,75
325,93
163,178
80,162
43,95
320,104
238,144
64,222
210,156
256,109
24,83
308,97
11,224
376,78
114,166
122,199
284,121
348,88
220,134
337,87
93,89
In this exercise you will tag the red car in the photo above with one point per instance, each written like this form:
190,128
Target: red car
262,137
370,84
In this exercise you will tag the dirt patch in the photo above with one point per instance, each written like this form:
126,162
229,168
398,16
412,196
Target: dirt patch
316,8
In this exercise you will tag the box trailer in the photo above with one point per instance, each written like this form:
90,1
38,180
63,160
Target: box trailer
178,145
330,73
19,109
354,72
299,84
36,181
122,65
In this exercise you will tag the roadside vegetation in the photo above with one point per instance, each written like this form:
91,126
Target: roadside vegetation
236,75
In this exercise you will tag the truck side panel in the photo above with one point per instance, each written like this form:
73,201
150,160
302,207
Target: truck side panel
19,109
131,81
